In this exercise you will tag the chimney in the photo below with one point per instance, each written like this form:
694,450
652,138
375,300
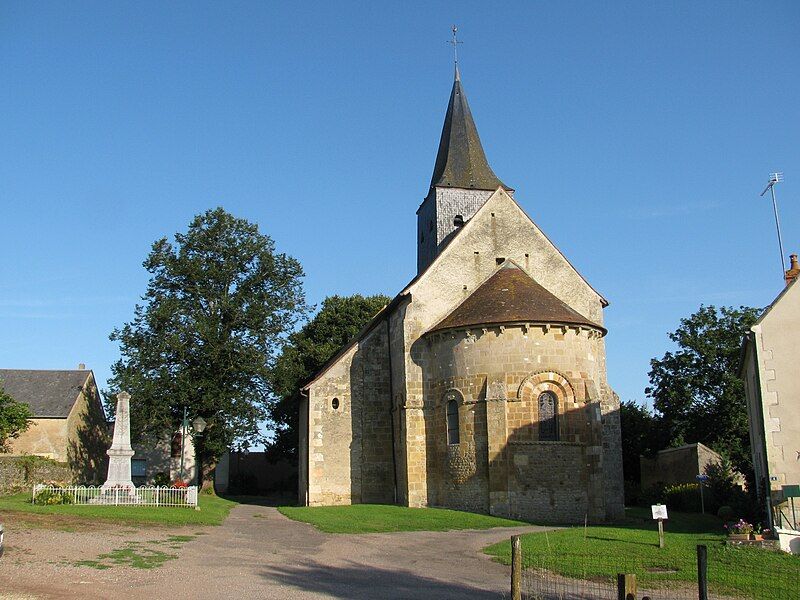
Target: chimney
794,269
82,367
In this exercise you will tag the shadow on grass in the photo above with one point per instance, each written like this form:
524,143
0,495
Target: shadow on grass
359,582
641,518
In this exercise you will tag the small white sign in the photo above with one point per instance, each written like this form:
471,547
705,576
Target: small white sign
659,511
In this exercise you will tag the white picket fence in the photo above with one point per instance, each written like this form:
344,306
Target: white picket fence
116,496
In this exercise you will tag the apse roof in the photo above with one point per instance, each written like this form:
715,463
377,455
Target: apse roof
510,295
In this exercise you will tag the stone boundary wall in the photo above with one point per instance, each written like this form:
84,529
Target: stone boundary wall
20,473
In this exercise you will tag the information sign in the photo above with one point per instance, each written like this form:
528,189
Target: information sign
659,511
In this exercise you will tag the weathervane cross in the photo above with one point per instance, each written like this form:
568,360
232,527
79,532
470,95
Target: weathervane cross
455,44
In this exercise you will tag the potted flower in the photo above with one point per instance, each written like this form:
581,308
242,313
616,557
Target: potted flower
740,530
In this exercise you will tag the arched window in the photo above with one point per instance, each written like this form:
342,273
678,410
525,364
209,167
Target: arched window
548,417
452,422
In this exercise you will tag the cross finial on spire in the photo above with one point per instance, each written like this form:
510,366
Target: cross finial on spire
455,44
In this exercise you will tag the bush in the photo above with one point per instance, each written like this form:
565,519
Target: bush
161,479
725,490
684,497
725,513
51,497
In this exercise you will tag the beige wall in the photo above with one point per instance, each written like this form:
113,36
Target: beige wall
350,451
773,390
158,454
45,437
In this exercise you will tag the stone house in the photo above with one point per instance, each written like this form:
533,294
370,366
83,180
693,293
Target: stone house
769,360
482,385
156,456
68,424
677,465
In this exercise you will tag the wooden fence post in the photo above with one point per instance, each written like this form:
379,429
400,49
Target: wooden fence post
516,568
626,586
702,573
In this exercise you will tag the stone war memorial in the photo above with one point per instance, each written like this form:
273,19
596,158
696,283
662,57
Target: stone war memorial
482,385
120,452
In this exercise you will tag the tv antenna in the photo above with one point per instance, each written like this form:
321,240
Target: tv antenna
773,179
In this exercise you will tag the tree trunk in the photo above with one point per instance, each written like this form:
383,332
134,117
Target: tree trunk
205,467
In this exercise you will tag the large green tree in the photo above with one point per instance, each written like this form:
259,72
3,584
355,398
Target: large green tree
697,390
14,419
218,307
338,321
641,435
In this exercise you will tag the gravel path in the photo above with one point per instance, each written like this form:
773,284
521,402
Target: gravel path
256,553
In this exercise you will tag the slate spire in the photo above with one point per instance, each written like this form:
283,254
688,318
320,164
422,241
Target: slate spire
461,161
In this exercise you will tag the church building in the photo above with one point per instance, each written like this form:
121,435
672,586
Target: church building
482,385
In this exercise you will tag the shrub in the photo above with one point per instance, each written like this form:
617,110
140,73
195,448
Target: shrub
51,497
684,497
161,479
725,513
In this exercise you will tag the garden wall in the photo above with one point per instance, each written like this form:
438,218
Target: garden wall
19,473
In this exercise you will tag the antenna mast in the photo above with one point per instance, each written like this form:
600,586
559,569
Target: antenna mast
773,179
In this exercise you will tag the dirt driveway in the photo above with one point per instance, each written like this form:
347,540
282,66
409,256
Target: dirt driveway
256,553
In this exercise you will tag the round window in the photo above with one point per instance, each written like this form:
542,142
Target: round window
335,403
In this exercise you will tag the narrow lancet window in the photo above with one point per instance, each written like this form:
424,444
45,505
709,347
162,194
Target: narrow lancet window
452,422
548,417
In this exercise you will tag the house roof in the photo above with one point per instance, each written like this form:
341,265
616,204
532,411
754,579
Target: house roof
47,393
510,295
461,161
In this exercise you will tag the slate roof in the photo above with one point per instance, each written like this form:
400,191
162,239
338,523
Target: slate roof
461,161
510,295
48,393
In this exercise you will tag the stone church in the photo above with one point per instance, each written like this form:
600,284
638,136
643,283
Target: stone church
482,385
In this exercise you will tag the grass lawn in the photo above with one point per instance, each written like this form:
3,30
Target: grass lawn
381,518
632,547
213,511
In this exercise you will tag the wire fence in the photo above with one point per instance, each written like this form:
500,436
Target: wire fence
115,496
594,577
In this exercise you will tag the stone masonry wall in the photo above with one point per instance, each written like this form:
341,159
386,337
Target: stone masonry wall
512,472
20,473
350,427
546,483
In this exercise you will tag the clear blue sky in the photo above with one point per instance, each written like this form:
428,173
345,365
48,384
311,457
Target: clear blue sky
637,135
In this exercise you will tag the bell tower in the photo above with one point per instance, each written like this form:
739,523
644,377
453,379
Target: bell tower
462,180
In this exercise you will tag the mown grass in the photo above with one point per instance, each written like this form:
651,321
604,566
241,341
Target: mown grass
632,547
382,518
213,511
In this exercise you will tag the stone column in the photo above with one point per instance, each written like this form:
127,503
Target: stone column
120,453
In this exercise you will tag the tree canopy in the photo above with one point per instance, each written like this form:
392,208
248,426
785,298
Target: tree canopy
696,389
338,321
14,419
641,435
218,306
